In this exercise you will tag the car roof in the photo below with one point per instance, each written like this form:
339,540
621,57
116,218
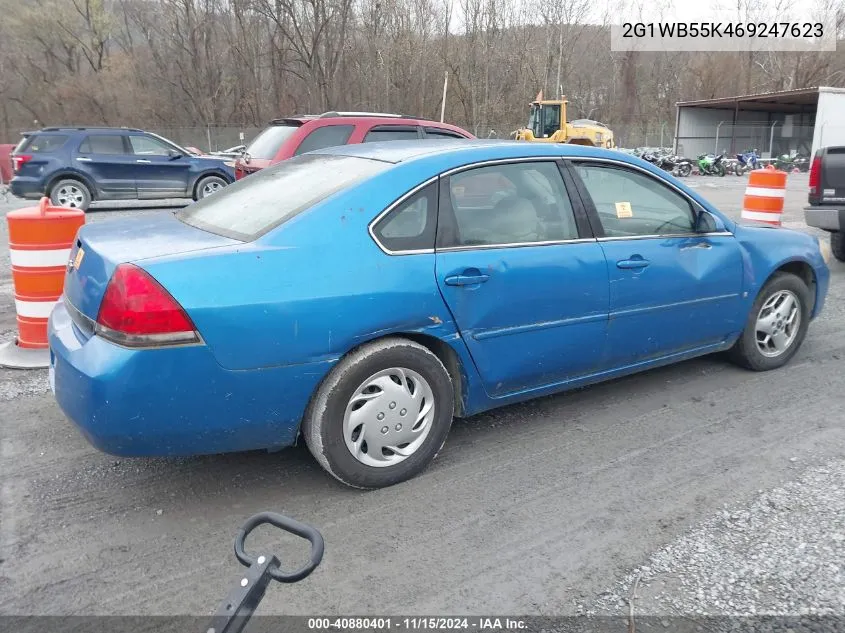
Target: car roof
332,118
472,150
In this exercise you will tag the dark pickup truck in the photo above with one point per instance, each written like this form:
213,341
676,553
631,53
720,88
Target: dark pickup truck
827,197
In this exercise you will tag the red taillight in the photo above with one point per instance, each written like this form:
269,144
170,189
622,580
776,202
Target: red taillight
815,174
137,311
19,160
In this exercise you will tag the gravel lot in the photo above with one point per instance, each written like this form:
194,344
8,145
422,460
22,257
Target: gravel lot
721,490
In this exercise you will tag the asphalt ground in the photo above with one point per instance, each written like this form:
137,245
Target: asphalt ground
547,507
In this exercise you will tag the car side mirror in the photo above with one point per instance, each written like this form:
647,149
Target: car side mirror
706,222
173,154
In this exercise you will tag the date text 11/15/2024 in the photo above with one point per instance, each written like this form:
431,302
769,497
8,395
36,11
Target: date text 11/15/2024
416,623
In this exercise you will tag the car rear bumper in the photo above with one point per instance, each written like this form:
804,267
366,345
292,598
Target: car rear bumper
827,218
28,188
173,401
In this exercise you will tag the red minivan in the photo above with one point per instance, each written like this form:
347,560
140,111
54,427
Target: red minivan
289,137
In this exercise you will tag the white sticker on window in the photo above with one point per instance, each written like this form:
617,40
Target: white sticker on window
623,210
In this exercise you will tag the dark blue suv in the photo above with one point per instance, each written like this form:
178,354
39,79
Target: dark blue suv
77,165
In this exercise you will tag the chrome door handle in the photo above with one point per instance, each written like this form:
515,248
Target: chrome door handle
704,245
142,160
466,280
632,263
82,159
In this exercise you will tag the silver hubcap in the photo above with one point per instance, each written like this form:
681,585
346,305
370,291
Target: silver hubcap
778,323
211,187
70,196
388,417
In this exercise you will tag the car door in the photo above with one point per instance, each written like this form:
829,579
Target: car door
161,170
675,273
107,160
522,276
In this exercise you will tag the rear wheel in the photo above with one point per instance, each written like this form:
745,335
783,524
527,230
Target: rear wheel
837,245
719,169
684,170
776,325
71,194
381,415
208,186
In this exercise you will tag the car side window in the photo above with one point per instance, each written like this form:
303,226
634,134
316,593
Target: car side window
410,226
102,144
326,136
632,204
433,132
392,133
148,146
516,203
46,143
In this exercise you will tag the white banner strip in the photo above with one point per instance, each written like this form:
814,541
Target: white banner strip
39,259
34,309
765,192
761,216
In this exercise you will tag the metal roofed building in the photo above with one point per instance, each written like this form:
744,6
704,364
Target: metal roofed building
774,123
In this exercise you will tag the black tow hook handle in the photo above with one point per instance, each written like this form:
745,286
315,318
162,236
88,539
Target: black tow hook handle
238,607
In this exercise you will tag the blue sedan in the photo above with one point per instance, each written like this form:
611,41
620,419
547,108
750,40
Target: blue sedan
363,296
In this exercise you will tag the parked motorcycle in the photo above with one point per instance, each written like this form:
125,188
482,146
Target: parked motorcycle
746,162
802,163
711,165
682,167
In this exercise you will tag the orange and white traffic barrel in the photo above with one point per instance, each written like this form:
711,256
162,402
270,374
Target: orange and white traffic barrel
40,242
764,196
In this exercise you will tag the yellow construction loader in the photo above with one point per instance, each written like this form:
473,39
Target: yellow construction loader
547,124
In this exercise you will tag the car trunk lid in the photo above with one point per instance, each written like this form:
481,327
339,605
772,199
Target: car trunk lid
101,247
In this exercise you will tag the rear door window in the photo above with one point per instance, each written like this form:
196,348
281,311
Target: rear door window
103,144
433,132
326,136
516,203
42,143
148,146
392,133
252,206
266,145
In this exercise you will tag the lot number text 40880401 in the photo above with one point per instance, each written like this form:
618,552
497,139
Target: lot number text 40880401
416,623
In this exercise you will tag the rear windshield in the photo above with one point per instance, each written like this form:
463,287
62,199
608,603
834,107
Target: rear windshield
41,143
266,145
252,206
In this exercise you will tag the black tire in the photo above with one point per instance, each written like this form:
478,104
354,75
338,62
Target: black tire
322,426
745,351
719,170
738,170
70,193
206,183
684,170
837,245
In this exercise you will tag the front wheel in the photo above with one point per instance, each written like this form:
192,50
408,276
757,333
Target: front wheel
719,169
381,415
208,186
684,170
837,245
70,193
776,325
739,170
